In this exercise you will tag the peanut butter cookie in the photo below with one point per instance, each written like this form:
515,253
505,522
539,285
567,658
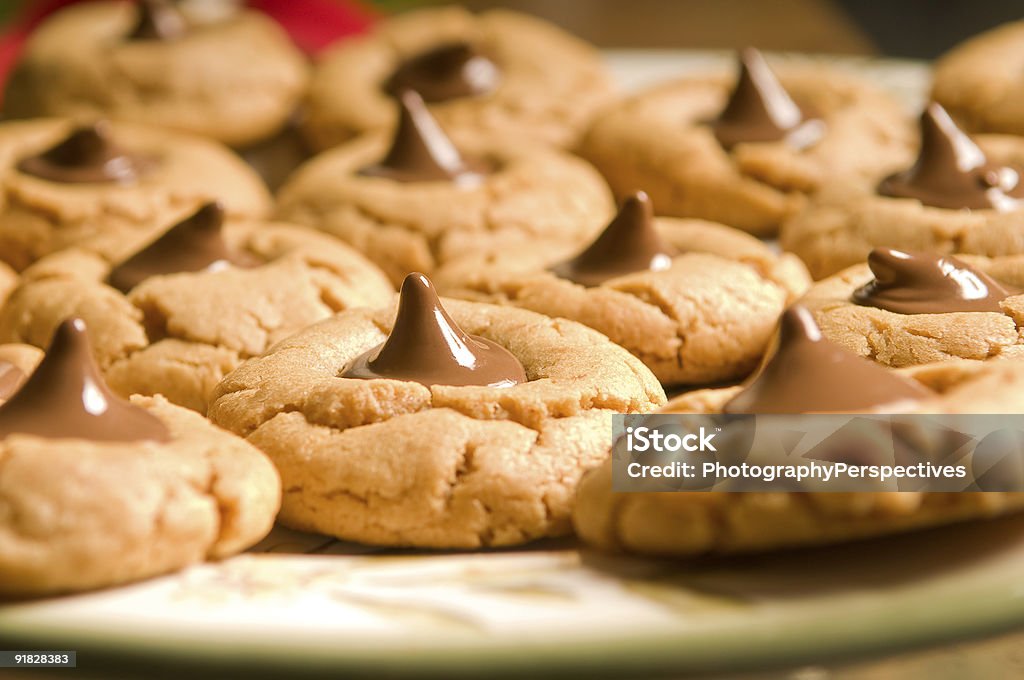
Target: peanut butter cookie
807,373
142,487
460,426
695,301
749,158
424,200
236,80
499,73
180,314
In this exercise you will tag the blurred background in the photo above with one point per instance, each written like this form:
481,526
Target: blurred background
902,28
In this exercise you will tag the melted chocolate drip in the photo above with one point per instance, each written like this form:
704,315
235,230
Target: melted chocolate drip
158,20
760,109
86,155
66,398
809,374
952,172
420,151
426,346
445,72
924,283
11,378
629,243
194,244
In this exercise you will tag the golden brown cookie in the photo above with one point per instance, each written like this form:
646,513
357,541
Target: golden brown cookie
499,73
663,141
703,313
141,488
236,79
413,459
56,195
693,523
918,322
933,205
179,334
979,81
418,201
8,281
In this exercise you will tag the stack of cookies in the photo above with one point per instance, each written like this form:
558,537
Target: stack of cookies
420,338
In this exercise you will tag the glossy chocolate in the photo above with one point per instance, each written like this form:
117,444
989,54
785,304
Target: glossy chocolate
925,283
66,398
952,172
809,374
426,346
760,109
194,244
630,243
158,20
448,71
421,152
11,378
86,155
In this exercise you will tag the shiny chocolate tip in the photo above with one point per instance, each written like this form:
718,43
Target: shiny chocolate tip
192,245
88,154
448,71
158,20
420,150
67,398
630,243
910,282
427,346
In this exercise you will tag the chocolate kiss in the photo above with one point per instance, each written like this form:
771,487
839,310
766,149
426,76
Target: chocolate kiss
66,398
629,243
194,244
426,346
445,72
86,155
420,151
924,283
952,172
158,20
809,374
760,109
11,378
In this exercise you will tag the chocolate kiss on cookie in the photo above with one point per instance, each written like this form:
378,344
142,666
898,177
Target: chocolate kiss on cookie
445,72
66,398
952,172
924,283
760,109
11,378
428,347
630,243
194,244
809,374
158,20
86,155
421,151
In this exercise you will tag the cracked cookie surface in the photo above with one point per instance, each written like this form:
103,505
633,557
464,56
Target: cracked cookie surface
657,141
979,81
532,100
38,217
706,318
693,523
535,195
180,334
901,340
119,512
398,463
236,80
843,222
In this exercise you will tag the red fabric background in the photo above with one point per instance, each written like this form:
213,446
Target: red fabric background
313,24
